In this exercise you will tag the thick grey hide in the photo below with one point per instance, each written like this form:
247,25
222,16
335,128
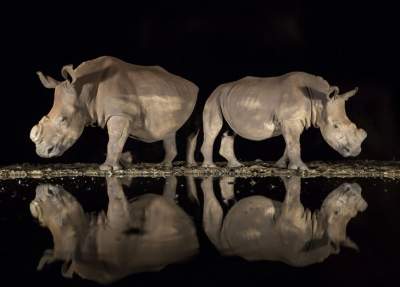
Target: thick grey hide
144,102
261,108
259,228
142,235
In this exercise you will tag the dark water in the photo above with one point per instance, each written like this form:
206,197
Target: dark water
199,231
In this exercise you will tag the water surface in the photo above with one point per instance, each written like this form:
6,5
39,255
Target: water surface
87,231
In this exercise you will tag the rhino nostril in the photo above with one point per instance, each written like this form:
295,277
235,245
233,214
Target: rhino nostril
50,149
34,135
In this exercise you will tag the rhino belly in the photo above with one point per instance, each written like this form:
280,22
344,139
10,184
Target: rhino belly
160,117
249,118
249,228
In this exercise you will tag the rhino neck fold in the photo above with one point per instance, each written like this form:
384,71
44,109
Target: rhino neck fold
90,110
88,103
316,108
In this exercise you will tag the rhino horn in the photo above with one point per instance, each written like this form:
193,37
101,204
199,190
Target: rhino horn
350,244
67,269
349,94
48,257
47,81
68,73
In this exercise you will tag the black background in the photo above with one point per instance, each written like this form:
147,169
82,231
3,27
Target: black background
349,44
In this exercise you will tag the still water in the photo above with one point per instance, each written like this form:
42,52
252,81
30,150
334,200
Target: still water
190,231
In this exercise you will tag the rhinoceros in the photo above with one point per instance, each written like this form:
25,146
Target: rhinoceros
260,108
143,235
258,228
143,102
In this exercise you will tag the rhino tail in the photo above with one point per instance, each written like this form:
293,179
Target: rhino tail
316,83
191,148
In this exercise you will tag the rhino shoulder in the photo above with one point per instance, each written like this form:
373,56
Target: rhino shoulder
158,68
100,61
303,79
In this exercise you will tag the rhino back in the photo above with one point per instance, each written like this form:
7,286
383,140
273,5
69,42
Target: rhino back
157,102
254,107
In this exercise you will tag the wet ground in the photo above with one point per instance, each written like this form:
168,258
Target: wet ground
231,228
363,168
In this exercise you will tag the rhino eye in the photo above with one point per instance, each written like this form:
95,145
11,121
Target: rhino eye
61,120
335,126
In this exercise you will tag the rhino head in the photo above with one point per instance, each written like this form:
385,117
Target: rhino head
340,206
63,125
336,128
62,214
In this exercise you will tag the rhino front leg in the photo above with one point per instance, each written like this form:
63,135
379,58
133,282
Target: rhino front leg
291,131
227,150
293,212
118,206
170,150
118,131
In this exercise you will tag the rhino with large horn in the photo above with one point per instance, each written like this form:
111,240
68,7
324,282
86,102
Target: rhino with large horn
261,108
144,102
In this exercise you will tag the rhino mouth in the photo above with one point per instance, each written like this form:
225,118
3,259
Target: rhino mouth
49,151
345,151
36,212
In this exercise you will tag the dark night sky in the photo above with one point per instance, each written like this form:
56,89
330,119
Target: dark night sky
349,45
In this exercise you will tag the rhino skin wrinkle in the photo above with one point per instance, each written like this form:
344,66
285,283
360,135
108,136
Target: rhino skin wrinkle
143,102
261,108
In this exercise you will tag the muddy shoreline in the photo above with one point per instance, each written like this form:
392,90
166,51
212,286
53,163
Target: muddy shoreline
380,169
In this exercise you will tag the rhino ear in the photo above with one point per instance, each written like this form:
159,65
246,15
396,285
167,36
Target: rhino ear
68,73
349,94
47,81
333,92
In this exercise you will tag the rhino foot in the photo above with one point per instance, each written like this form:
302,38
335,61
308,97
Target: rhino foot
166,163
110,167
208,164
126,158
281,164
298,166
234,164
191,164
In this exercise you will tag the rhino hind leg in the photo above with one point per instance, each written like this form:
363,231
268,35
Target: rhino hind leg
212,124
227,185
169,144
227,150
190,149
118,131
169,190
283,161
213,214
291,131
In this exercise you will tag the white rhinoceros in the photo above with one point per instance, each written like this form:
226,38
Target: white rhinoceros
261,108
144,102
258,228
143,235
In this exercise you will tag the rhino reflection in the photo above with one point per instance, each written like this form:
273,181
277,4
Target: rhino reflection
144,234
258,228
